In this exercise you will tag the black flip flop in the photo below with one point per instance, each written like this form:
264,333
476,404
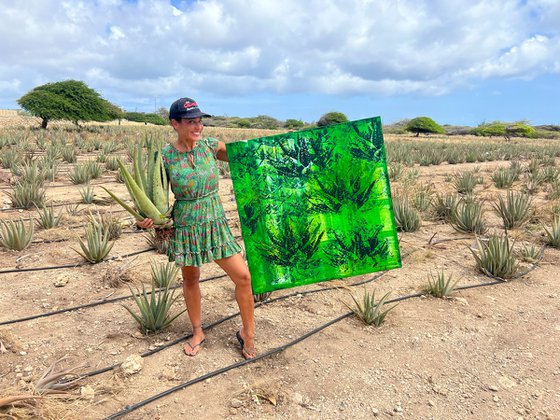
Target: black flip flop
194,347
244,351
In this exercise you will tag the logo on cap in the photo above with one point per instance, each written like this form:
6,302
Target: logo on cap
190,105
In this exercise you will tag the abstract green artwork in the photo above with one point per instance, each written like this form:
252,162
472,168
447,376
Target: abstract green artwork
314,205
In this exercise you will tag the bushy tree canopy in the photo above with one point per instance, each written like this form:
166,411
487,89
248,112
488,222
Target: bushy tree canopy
294,124
424,125
145,118
506,130
331,118
69,100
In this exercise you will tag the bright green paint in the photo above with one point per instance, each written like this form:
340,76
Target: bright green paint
315,205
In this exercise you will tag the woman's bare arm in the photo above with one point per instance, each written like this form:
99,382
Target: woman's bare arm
221,151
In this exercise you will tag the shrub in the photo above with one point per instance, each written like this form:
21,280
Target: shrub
331,118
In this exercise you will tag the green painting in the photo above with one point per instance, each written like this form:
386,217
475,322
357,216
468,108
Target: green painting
314,205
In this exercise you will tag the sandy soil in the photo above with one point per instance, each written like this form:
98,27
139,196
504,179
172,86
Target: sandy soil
489,352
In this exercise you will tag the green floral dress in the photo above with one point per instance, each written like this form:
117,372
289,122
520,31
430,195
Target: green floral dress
201,233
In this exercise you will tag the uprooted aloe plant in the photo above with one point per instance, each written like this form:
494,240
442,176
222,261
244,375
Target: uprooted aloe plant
148,187
57,381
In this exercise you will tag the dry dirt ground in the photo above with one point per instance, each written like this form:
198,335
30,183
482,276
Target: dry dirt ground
489,352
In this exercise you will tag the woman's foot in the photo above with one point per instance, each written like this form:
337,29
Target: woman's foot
193,346
247,346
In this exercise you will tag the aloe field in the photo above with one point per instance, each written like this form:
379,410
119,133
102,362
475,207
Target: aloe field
92,320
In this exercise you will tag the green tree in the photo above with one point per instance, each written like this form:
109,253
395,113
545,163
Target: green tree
69,100
424,125
264,122
520,129
331,118
243,123
293,124
492,129
145,118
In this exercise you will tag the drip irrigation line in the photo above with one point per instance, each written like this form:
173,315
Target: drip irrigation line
80,264
129,408
222,320
92,304
160,348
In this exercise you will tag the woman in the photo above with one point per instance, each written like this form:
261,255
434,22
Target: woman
201,233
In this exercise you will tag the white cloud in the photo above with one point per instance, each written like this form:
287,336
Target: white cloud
131,49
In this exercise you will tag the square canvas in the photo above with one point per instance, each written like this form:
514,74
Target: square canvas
314,205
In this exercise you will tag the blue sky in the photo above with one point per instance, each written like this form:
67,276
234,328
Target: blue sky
460,62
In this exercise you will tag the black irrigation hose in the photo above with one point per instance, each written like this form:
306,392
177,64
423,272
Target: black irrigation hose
221,321
57,267
92,304
129,408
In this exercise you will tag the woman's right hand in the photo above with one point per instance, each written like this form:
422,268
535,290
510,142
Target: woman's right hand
147,223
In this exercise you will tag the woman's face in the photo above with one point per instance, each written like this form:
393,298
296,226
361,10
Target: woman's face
190,129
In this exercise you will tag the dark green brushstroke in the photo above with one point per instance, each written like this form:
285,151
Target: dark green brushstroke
315,205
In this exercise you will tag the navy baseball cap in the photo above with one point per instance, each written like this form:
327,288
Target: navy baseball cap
185,108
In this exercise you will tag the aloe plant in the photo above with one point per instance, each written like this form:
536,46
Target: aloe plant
467,216
69,155
370,311
148,188
443,206
495,257
47,217
440,285
80,174
504,177
164,274
553,234
531,253
27,195
154,310
87,194
514,210
406,216
465,182
15,235
97,245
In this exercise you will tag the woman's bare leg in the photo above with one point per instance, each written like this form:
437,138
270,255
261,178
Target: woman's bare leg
238,271
191,293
